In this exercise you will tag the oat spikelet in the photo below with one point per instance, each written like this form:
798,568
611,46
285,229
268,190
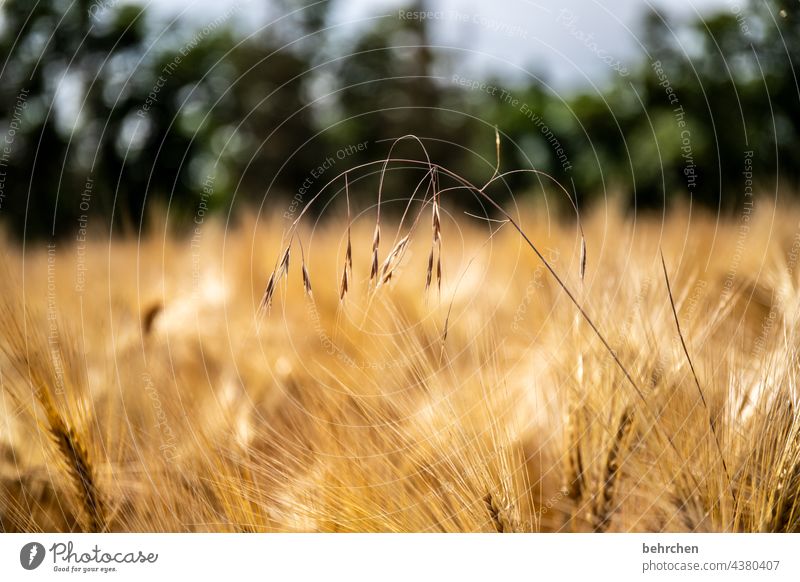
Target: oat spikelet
429,272
304,271
344,287
275,276
376,241
348,254
283,269
583,257
436,222
306,281
393,260
266,300
436,228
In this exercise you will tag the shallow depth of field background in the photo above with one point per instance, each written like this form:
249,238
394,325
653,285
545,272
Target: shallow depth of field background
154,159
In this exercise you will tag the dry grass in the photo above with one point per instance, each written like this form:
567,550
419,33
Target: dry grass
432,381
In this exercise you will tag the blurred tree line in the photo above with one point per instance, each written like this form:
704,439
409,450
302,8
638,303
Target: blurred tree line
103,113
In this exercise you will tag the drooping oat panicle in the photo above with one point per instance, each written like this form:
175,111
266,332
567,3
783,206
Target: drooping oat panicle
466,185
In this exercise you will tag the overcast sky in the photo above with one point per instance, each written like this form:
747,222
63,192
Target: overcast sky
496,37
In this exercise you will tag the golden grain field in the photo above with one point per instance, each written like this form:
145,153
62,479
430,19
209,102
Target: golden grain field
147,387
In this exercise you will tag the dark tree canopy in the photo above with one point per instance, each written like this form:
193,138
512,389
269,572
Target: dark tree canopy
104,113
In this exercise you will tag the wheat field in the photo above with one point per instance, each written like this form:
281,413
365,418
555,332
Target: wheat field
209,380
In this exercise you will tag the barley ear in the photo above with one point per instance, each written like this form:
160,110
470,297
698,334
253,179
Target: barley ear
80,469
498,515
603,509
77,463
574,485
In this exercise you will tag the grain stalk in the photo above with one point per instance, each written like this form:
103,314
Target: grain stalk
711,421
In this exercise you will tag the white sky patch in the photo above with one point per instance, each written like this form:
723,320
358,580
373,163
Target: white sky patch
512,38
486,35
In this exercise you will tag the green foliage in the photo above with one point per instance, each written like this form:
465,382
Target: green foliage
94,98
154,119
